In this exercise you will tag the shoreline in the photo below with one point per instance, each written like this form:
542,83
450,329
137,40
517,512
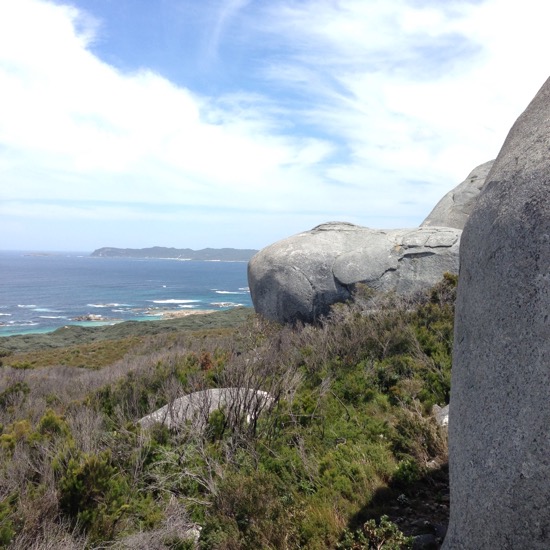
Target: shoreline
176,314
93,320
40,294
75,335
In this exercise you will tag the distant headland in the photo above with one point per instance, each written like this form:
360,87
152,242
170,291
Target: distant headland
206,254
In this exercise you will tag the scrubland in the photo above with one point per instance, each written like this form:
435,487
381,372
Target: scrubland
346,455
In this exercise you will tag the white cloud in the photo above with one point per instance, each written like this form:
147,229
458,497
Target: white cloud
365,110
414,92
91,132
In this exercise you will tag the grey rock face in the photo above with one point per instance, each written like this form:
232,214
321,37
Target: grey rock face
456,206
499,441
299,278
198,406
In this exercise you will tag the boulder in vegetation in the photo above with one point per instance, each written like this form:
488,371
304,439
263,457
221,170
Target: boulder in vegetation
198,407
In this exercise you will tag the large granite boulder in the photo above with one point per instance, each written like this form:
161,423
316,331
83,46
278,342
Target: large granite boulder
456,206
500,399
299,278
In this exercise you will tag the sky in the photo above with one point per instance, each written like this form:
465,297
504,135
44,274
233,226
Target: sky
237,123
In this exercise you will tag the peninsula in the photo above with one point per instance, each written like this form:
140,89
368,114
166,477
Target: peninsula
206,254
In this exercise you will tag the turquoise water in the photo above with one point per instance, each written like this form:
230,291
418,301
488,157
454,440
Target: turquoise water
40,293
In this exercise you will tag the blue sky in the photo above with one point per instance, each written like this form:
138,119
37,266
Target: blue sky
214,123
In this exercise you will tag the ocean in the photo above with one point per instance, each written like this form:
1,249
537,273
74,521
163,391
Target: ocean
42,292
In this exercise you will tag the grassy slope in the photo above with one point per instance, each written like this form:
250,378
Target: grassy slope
349,436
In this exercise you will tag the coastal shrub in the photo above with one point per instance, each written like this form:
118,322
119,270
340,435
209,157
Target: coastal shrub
18,432
99,499
13,395
372,536
418,437
136,394
217,424
7,527
320,523
92,494
51,425
252,509
23,365
408,471
433,323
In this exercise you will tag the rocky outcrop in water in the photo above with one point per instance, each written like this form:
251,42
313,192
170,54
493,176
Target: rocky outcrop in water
499,445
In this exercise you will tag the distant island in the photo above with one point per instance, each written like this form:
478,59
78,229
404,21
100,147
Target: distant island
206,254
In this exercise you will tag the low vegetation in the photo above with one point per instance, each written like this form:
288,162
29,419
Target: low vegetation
335,460
74,335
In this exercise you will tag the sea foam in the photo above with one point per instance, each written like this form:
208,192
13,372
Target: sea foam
173,301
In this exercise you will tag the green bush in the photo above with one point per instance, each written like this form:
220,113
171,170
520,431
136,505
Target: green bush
14,394
408,471
386,535
93,494
7,527
51,424
217,424
250,511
